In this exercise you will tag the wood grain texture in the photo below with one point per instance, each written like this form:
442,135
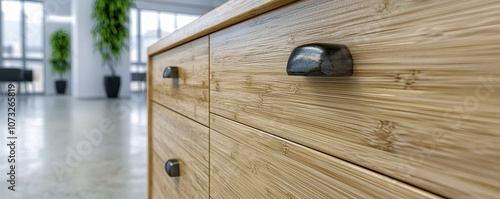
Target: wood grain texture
177,137
423,105
187,94
150,130
230,13
248,163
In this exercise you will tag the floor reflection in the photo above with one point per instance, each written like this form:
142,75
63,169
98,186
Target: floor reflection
73,148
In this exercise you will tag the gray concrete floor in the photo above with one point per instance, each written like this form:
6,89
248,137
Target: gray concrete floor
76,148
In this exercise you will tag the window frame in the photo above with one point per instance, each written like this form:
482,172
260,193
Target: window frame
23,59
139,63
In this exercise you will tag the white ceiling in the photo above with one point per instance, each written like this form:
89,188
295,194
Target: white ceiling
197,7
184,6
194,3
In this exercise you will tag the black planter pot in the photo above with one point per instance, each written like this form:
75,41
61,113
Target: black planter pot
112,86
61,87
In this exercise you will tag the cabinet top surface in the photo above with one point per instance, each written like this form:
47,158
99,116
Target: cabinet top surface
230,13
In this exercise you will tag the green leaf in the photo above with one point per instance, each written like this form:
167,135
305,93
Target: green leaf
60,43
110,31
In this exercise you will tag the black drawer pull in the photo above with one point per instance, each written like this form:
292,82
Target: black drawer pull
172,168
171,72
320,60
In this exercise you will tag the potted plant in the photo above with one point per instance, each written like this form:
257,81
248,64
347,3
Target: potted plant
110,33
60,43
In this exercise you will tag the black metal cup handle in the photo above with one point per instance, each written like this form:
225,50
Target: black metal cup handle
172,168
171,72
320,60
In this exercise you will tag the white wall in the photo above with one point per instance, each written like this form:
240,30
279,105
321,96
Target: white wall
88,72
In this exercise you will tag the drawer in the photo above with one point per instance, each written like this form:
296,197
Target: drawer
177,137
422,105
187,93
248,163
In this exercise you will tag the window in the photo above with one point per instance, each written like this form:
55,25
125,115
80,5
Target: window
167,23
149,31
33,29
37,68
184,19
134,51
11,29
8,63
147,27
21,37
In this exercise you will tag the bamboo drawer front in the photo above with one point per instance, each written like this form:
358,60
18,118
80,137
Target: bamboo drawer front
418,118
421,106
177,137
248,163
187,93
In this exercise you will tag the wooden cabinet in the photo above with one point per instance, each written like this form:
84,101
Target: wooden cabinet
187,93
178,106
418,118
176,137
248,163
416,104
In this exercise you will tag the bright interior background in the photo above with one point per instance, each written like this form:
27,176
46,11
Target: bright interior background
26,25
